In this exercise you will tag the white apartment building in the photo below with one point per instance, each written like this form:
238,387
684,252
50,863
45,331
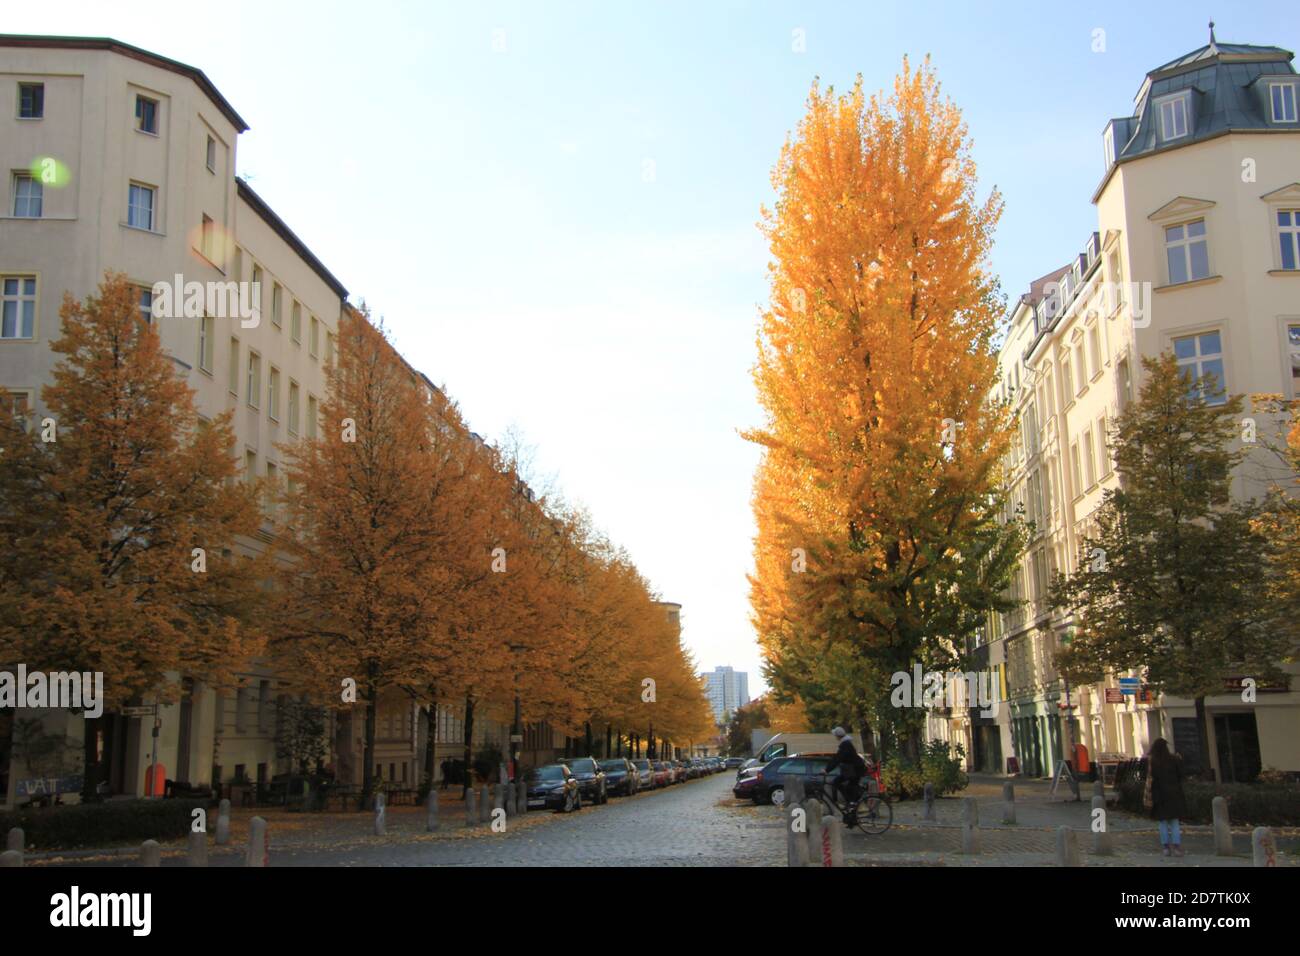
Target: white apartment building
728,689
1197,252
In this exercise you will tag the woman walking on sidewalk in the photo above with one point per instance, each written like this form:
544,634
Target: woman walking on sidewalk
1168,804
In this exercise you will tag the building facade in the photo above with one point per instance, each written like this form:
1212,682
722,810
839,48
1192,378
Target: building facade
728,689
1197,252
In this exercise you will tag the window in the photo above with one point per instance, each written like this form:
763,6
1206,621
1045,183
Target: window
18,307
1103,446
1089,463
1116,280
140,205
1173,118
1293,354
273,394
313,338
1080,368
250,475
1288,231
212,155
254,378
1094,348
1201,356
1067,384
293,407
295,323
207,239
272,481
206,342
275,304
13,405
1075,473
146,304
233,384
31,100
1108,145
1187,252
28,196
311,416
1282,98
329,347
256,291
1123,383
146,115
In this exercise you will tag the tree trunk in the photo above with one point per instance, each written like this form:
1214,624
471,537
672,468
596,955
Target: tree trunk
587,739
368,751
1208,769
90,760
609,741
431,742
469,746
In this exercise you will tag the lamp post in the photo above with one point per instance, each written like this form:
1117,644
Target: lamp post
516,729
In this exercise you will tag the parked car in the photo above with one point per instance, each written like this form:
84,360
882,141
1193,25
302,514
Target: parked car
769,785
733,763
745,783
663,774
679,771
591,779
553,787
621,778
645,772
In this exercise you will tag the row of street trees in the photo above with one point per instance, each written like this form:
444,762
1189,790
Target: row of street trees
408,556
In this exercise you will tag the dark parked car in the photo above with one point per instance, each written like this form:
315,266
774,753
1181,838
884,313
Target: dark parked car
745,783
769,786
620,776
553,787
591,779
645,772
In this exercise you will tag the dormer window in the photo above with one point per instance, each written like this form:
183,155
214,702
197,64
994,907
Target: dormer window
1282,98
1108,145
1173,118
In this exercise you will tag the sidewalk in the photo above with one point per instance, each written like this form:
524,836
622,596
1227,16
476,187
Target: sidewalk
1031,841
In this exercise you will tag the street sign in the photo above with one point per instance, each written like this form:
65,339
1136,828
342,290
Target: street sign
1129,685
147,710
516,738
1114,695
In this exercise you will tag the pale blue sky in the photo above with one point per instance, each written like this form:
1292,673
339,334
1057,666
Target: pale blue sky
493,204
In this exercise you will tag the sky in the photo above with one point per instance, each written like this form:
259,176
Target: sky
553,206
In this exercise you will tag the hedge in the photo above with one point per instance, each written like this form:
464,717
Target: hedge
113,822
1249,804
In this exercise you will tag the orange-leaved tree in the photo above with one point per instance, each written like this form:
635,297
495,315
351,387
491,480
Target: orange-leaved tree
119,515
876,356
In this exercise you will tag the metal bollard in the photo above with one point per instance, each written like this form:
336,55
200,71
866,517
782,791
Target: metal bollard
929,813
1008,802
970,826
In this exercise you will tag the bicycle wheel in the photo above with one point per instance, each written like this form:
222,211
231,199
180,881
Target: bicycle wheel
875,815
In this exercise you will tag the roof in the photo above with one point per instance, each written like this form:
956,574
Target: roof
1223,98
268,215
135,53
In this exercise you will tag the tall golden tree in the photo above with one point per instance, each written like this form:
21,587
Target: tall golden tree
876,357
117,512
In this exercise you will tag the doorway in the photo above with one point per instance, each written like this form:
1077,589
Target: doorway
1236,738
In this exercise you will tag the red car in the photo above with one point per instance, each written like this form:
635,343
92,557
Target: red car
663,774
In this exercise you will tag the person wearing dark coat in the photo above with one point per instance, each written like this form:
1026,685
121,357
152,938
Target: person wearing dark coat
1168,803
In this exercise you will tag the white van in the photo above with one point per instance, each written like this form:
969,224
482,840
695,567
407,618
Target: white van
786,745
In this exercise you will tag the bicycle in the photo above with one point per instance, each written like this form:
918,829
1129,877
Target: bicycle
871,812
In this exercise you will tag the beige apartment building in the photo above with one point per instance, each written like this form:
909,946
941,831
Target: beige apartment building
1197,251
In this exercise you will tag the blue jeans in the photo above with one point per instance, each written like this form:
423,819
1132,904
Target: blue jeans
1170,834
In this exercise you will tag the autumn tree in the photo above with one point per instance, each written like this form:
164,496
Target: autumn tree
877,500
383,518
1177,579
120,515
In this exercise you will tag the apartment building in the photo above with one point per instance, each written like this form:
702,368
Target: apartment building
728,689
1197,252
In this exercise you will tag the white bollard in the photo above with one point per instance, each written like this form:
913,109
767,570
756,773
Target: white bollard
970,826
1222,828
431,811
796,834
258,851
832,841
1067,847
813,810
197,854
1264,850
223,823
11,858
381,815
150,853
16,839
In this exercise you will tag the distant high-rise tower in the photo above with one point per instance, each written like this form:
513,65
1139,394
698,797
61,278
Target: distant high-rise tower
728,690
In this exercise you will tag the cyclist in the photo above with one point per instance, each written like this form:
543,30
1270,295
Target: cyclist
850,765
